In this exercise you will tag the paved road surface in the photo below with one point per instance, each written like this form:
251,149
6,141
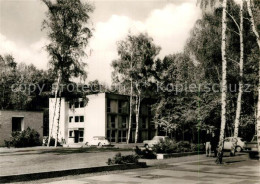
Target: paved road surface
236,170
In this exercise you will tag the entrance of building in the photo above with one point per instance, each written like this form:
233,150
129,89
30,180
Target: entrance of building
79,135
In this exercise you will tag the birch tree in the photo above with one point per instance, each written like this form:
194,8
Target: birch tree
204,4
134,69
249,8
68,31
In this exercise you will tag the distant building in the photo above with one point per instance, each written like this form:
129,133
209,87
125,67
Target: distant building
11,121
105,114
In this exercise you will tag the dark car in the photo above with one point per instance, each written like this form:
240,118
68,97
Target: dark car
252,148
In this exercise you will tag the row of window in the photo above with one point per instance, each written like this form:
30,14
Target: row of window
123,107
123,122
80,104
77,119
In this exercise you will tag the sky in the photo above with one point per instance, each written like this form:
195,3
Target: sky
168,22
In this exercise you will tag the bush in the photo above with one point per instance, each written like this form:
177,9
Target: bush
170,146
26,138
198,147
52,141
145,153
183,146
167,146
119,159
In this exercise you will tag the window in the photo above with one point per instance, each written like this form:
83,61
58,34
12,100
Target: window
17,124
143,122
122,107
81,135
70,105
113,121
108,106
81,118
76,104
70,134
134,121
123,122
70,119
124,136
81,104
113,136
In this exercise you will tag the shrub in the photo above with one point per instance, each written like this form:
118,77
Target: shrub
183,146
145,153
168,146
26,138
52,142
198,147
119,159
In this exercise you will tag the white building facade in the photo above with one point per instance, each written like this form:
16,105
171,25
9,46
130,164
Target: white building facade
104,114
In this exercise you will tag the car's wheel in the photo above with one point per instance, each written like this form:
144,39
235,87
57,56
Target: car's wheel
238,149
252,155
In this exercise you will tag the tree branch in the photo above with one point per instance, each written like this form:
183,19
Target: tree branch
234,20
233,31
233,61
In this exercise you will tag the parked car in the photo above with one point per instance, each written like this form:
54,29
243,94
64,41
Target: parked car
154,141
98,141
228,142
251,147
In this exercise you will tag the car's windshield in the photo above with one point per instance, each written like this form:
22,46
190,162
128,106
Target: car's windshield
157,138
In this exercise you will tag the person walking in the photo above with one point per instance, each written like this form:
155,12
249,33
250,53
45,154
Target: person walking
208,144
214,143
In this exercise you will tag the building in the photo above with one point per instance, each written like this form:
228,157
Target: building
105,114
11,121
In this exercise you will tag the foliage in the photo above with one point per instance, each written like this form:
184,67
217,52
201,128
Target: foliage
66,23
52,141
23,87
166,146
119,159
26,138
145,153
176,147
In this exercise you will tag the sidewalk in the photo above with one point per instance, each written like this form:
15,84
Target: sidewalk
235,170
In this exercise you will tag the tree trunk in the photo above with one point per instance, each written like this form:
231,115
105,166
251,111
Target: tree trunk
258,42
55,104
241,66
130,112
224,84
58,124
138,102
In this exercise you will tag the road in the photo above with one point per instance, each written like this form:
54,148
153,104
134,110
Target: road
190,170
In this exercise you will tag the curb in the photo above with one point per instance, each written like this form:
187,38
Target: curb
60,173
161,156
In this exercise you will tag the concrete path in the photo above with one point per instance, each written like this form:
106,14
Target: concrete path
236,170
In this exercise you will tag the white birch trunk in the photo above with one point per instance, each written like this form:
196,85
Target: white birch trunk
240,90
130,112
55,104
58,124
224,83
138,100
258,88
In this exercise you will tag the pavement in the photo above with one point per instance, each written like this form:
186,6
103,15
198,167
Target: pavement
191,170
